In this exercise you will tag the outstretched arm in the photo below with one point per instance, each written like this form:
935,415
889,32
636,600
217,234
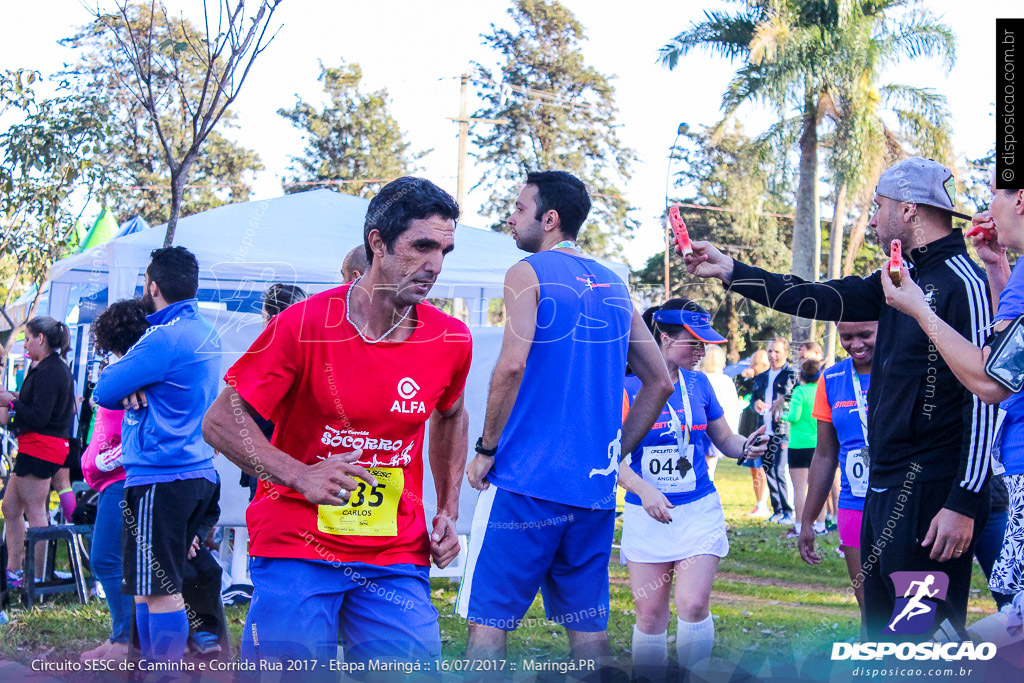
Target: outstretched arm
966,360
521,301
848,299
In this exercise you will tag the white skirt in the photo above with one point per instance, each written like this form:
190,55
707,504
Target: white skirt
697,528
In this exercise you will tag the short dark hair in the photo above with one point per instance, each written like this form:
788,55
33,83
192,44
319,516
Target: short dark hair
677,304
810,369
400,202
119,327
279,297
56,333
563,193
175,271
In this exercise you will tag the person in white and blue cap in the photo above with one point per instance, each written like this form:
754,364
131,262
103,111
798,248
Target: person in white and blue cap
673,521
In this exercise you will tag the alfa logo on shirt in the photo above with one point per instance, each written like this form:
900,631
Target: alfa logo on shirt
407,390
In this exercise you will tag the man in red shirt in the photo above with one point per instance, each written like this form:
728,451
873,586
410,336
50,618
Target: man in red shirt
339,540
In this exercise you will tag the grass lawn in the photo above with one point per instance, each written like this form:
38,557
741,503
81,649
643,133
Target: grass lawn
770,608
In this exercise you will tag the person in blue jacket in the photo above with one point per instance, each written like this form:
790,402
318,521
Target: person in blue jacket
165,382
673,523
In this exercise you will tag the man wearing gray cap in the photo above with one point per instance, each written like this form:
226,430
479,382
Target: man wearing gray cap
928,437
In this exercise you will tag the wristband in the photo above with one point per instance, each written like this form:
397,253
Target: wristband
479,448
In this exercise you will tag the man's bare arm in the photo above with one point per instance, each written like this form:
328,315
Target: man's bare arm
449,435
449,440
521,301
649,366
231,430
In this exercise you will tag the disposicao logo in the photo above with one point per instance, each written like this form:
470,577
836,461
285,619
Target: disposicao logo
918,595
921,592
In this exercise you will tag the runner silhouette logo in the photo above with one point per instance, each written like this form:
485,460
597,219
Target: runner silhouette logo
918,595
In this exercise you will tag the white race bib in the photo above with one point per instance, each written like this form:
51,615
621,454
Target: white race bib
662,467
857,473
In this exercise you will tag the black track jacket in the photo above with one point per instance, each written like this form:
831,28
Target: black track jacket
923,425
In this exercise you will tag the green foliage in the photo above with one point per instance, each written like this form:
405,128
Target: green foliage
46,173
741,176
136,174
353,138
560,115
824,59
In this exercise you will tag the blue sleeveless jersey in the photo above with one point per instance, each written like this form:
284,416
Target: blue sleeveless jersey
842,404
656,459
563,437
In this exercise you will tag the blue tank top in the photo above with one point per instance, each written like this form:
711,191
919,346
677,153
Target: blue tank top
563,436
656,459
853,479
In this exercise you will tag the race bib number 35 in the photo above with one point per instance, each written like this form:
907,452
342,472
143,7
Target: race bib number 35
371,510
669,473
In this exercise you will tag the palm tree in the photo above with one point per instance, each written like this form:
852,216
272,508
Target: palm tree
822,57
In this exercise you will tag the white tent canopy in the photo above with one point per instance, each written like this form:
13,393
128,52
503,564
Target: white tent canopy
299,238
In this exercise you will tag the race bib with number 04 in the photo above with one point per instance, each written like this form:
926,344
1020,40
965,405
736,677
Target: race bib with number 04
370,511
665,470
857,472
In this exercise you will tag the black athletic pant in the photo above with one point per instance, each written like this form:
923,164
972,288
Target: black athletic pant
895,523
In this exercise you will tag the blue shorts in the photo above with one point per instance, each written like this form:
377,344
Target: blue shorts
299,607
520,544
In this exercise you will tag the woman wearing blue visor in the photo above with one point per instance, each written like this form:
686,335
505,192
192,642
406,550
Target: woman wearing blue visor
673,523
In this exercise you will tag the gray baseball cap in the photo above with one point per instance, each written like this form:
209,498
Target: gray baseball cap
920,181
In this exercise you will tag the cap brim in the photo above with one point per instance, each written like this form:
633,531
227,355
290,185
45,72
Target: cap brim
963,216
706,335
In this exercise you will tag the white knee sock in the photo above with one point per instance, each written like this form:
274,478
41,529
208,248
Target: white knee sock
650,650
694,641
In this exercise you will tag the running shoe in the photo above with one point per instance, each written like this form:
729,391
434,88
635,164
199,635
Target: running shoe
830,525
839,551
204,643
14,579
779,518
758,511
792,533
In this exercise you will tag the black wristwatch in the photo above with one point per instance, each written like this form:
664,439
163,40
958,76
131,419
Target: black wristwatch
479,448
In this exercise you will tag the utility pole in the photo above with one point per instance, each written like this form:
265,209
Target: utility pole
464,120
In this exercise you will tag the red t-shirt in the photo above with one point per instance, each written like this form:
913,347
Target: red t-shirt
329,392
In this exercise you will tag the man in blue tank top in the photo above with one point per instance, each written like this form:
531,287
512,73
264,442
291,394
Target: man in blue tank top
553,436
